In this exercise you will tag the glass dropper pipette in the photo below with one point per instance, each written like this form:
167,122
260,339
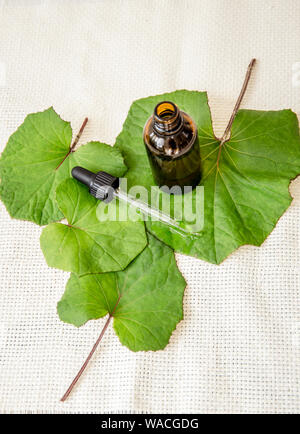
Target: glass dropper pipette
105,187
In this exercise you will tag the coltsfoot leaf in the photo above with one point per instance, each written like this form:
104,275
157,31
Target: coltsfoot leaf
245,180
36,159
145,299
85,244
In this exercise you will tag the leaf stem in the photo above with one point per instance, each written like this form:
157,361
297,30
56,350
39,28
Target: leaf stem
81,370
70,388
238,101
75,142
79,134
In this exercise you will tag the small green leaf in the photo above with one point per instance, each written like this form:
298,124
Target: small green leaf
245,180
145,299
87,245
36,159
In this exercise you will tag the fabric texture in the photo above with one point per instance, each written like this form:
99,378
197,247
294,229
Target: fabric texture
237,349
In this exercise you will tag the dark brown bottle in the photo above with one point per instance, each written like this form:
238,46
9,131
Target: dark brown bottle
171,140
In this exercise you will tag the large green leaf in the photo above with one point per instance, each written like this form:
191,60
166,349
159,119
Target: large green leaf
245,180
31,166
145,299
85,244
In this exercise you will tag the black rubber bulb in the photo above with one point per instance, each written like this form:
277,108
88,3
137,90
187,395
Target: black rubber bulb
100,184
83,175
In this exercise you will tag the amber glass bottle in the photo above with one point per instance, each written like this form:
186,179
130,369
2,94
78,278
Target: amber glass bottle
171,140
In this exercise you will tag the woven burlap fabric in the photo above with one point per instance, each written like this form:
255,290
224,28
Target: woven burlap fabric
238,348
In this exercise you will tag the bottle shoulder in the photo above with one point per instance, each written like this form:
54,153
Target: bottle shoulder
173,144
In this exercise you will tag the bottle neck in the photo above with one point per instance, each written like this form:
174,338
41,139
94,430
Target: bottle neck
167,118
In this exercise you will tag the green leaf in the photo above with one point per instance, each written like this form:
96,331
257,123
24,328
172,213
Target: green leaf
85,244
245,180
145,299
32,165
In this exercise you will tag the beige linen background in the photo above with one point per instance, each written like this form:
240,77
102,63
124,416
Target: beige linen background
238,348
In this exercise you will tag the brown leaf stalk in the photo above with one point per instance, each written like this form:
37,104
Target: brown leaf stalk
75,142
238,101
81,370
